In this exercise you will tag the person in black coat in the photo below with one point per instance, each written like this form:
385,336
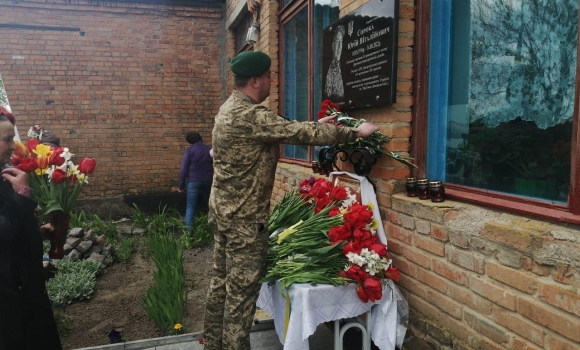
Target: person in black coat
26,319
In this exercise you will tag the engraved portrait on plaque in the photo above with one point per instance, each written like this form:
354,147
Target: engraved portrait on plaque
359,56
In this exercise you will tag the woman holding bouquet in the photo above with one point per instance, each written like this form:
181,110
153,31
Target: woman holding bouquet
26,319
246,143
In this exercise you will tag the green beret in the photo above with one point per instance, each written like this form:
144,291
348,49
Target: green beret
250,64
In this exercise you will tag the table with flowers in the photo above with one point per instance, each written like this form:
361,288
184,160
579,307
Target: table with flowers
311,305
328,261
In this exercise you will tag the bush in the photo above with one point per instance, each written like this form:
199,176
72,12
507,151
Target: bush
73,281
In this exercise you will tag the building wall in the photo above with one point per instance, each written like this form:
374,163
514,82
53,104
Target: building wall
474,277
119,82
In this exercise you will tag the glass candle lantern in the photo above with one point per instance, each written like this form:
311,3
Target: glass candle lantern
411,187
423,188
436,191
315,167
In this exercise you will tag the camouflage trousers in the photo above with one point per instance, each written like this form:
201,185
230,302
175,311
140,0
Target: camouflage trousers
239,263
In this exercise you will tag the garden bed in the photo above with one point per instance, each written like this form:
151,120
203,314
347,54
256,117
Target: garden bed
117,301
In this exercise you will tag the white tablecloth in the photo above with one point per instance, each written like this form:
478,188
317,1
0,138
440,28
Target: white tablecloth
313,305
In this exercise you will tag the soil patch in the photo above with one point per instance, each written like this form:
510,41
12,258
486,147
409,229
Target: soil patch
117,301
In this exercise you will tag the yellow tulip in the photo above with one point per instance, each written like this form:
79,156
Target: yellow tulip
42,150
21,150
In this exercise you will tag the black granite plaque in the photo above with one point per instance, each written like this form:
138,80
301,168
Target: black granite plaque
359,56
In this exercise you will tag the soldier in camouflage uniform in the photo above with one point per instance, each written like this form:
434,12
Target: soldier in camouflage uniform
246,144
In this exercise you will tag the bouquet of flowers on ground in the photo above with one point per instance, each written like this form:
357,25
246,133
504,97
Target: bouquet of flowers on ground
53,176
322,234
373,144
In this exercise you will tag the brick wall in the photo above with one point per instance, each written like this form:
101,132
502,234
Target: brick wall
119,82
479,278
475,278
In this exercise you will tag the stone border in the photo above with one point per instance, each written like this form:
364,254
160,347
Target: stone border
259,326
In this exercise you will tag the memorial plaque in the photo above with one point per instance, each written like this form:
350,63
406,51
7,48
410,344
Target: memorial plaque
359,56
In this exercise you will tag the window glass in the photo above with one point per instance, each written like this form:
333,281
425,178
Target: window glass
241,31
325,13
501,95
296,77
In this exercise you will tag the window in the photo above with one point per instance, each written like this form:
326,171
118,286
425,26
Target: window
241,31
501,95
302,24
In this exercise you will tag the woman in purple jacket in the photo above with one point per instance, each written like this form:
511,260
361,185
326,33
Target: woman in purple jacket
196,174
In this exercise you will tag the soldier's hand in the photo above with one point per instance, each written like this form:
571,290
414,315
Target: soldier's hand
366,130
331,119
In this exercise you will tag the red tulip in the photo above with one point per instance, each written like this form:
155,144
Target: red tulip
55,158
42,161
27,165
379,248
339,233
58,176
356,273
371,289
351,247
393,273
87,165
31,145
15,160
338,193
334,211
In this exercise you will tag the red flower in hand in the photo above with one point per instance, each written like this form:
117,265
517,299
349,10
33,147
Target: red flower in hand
87,165
27,165
58,176
55,158
15,160
31,145
371,289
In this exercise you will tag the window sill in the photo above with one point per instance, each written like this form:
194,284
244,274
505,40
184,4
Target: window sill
526,206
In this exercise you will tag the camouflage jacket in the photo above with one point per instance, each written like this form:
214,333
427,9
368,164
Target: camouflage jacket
246,142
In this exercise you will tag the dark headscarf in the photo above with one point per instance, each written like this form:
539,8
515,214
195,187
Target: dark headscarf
192,137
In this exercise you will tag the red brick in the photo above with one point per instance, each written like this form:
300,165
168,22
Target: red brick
467,259
416,256
439,232
522,344
432,280
510,235
513,278
519,325
485,327
559,343
413,286
398,232
444,303
558,321
562,298
405,266
469,299
446,270
430,245
493,292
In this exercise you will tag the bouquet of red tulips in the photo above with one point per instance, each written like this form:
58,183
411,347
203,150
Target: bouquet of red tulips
322,234
53,176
